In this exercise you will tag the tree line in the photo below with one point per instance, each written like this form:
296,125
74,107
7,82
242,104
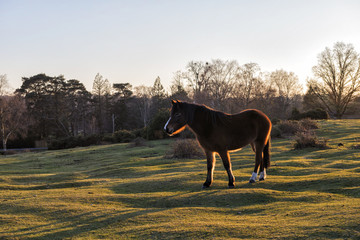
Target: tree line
52,107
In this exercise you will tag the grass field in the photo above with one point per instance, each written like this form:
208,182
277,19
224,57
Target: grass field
117,192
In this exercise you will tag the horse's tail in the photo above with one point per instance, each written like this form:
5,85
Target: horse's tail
267,154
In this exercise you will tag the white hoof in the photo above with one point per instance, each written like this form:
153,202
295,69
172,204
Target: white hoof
253,177
262,176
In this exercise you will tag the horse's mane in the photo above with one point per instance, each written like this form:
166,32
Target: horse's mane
212,116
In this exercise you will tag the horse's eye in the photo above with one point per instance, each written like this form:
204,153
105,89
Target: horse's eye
177,115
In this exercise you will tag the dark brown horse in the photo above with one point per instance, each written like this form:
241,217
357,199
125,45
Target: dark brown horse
218,132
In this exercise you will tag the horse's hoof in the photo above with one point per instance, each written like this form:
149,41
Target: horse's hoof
252,181
261,179
205,187
231,186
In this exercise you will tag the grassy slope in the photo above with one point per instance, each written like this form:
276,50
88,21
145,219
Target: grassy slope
118,192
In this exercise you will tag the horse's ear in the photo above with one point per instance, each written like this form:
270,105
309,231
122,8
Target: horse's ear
174,102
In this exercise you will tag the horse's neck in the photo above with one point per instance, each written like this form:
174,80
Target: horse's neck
199,123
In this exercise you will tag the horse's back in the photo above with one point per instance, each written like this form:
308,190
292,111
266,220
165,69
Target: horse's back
251,114
241,129
262,122
251,117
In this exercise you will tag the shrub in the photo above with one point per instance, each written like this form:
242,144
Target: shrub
8,152
108,138
155,130
138,142
88,140
275,132
185,148
20,142
309,140
288,127
291,127
316,114
357,144
275,121
295,114
308,124
71,142
141,132
123,136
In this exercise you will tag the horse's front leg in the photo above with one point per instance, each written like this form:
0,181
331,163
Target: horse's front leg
210,158
227,164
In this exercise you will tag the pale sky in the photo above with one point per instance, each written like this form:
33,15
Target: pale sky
135,41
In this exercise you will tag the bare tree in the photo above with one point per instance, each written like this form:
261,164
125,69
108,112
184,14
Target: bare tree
286,83
101,90
198,76
248,83
144,104
287,87
158,89
101,86
12,117
4,85
222,80
337,78
177,87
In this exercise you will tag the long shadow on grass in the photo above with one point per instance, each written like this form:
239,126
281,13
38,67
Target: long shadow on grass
183,191
295,171
68,227
129,172
347,186
343,231
48,186
210,198
186,192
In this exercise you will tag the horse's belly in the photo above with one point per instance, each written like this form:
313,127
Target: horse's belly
225,142
236,144
236,147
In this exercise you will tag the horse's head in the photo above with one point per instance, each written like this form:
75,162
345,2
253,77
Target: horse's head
177,120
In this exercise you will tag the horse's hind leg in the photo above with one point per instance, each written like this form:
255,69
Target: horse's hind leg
210,158
227,165
252,146
262,174
258,161
265,162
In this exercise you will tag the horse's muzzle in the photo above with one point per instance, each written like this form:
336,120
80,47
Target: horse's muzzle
169,131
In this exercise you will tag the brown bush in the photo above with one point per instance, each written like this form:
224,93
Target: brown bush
357,144
288,127
185,148
292,127
308,124
309,140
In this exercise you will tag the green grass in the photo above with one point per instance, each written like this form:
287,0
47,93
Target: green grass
116,192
